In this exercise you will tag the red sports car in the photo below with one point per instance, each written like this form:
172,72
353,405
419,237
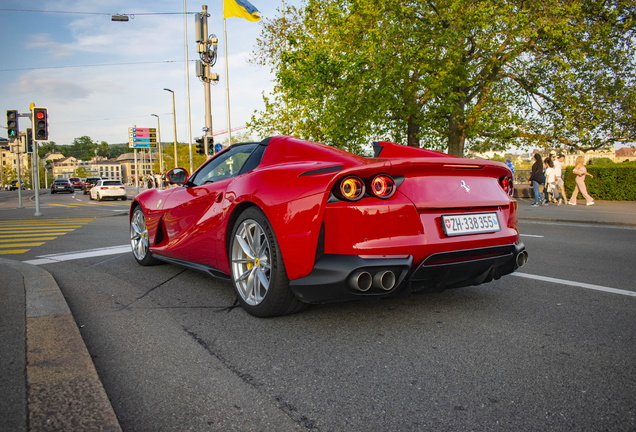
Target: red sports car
291,222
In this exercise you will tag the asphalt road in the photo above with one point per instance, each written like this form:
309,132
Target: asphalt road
174,353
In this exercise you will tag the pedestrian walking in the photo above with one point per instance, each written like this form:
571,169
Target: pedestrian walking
581,174
510,165
551,182
546,192
558,168
536,179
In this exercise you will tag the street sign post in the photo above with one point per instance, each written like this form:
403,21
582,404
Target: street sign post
142,137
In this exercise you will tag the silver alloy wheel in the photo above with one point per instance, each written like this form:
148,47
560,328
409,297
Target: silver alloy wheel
251,257
139,235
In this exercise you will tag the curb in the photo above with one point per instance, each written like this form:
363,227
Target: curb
64,391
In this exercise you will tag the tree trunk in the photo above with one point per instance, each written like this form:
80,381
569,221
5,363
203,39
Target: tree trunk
456,133
412,132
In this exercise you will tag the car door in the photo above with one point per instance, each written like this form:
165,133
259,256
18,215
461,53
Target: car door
193,214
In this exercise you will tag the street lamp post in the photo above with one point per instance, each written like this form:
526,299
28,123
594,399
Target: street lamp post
159,144
174,125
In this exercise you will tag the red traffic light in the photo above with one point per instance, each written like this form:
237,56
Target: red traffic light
39,115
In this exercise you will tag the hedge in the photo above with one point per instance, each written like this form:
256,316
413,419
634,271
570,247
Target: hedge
615,183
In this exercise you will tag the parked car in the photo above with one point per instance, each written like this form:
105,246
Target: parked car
108,189
77,183
14,185
291,222
89,183
62,185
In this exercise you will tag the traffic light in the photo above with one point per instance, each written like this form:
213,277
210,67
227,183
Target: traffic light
200,145
12,124
41,124
29,141
210,145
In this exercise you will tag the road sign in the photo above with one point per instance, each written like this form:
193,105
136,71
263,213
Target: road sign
217,148
142,137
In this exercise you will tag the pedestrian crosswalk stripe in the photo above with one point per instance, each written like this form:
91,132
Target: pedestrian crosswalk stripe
32,235
38,238
21,234
12,245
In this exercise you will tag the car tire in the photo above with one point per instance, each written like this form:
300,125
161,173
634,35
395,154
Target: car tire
124,198
260,282
139,239
52,192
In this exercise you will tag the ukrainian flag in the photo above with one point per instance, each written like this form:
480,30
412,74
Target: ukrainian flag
240,9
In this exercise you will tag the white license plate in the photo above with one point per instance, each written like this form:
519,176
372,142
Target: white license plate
470,223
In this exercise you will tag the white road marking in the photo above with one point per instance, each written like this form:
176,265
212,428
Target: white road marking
576,284
530,235
50,259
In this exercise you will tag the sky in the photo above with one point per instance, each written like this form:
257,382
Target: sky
99,77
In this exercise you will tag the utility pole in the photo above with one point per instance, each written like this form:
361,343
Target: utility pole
207,49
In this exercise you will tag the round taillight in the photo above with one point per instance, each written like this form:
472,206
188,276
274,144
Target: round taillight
507,185
351,188
382,186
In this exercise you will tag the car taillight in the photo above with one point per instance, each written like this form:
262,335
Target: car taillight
507,185
350,188
103,188
122,187
382,186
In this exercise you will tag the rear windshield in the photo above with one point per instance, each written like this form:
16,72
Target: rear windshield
112,183
61,181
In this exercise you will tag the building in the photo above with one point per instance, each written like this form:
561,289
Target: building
9,154
127,161
97,167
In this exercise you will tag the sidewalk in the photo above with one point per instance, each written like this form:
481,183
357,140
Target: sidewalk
49,381
602,212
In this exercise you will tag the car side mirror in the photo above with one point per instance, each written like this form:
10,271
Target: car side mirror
177,176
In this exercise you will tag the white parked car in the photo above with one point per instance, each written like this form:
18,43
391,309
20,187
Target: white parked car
108,189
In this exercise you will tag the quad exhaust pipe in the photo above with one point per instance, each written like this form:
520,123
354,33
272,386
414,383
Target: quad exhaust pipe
363,281
522,258
384,280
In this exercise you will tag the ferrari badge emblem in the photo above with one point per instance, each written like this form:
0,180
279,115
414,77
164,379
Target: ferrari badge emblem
465,186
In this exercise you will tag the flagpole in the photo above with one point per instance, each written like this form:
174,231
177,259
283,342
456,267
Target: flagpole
185,27
227,86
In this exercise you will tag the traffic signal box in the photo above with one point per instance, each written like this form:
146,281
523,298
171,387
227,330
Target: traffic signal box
12,124
29,141
41,124
200,145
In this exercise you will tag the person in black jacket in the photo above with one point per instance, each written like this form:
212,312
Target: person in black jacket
536,178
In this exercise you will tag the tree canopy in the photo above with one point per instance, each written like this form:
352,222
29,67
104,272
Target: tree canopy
452,74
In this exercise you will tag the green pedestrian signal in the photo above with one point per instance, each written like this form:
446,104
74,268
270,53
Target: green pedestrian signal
12,123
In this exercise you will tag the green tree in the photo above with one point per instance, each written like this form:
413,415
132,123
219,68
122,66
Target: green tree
452,74
82,172
47,147
83,148
103,149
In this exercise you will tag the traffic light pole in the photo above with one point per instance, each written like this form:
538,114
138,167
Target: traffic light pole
36,169
20,206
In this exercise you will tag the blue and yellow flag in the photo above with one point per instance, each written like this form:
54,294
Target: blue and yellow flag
240,9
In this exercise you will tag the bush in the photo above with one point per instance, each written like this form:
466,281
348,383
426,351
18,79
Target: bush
611,182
